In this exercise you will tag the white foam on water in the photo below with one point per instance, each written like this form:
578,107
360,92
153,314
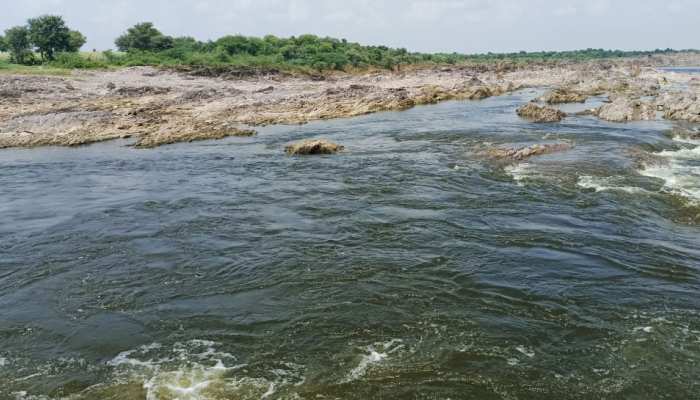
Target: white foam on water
3,361
196,370
520,172
686,140
375,354
683,154
601,184
270,391
525,351
373,357
681,174
678,178
645,329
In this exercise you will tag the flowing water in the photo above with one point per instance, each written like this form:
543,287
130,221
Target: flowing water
406,267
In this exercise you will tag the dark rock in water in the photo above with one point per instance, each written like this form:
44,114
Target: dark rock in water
536,113
313,147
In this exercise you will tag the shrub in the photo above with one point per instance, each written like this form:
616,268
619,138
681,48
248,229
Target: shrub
76,61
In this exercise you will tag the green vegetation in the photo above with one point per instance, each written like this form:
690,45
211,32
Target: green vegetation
19,45
143,44
144,37
575,55
50,35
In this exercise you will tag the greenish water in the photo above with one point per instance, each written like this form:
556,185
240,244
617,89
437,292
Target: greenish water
405,268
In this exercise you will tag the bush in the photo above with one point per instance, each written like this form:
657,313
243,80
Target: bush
76,61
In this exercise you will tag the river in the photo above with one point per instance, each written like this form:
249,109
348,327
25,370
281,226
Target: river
405,267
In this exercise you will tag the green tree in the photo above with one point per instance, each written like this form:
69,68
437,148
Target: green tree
19,44
50,35
143,37
3,43
242,45
76,40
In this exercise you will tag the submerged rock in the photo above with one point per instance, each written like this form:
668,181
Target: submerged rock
522,153
536,113
563,95
623,109
313,147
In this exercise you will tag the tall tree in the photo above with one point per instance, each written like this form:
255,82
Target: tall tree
143,37
3,43
76,40
50,35
19,44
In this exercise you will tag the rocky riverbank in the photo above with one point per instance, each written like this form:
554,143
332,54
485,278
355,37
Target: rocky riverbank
156,106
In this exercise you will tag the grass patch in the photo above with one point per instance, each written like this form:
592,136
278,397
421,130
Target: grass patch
15,69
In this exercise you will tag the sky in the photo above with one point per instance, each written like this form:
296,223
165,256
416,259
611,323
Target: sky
465,26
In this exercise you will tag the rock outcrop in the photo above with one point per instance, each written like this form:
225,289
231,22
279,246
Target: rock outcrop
313,147
535,113
623,109
162,138
563,95
680,106
523,153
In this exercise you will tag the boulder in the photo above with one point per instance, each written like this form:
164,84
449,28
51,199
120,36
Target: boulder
313,147
680,106
523,153
535,113
623,109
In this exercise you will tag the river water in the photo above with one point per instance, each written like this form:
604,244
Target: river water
405,267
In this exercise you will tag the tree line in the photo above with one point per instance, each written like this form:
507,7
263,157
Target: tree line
47,35
143,44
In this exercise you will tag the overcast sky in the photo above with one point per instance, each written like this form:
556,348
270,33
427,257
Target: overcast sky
466,26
